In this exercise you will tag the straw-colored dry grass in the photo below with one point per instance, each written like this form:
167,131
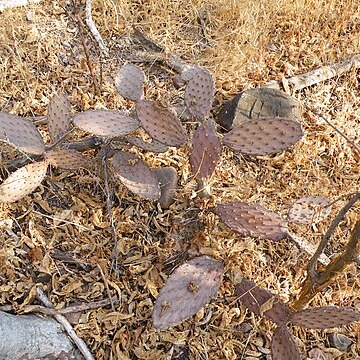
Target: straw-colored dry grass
244,44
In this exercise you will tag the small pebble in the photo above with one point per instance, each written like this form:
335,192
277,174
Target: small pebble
168,178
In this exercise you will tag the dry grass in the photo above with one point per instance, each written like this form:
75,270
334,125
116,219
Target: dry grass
244,44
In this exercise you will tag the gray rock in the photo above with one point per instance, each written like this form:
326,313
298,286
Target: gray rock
339,341
258,103
168,179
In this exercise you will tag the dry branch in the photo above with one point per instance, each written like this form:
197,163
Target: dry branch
313,286
352,143
317,75
326,238
67,326
92,27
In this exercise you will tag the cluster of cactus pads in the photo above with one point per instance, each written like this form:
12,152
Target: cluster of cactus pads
192,284
264,303
255,137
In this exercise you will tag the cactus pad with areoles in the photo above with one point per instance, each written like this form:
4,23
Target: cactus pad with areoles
324,317
187,290
106,123
21,134
309,210
67,159
283,345
58,116
264,136
129,82
161,124
136,175
199,93
23,181
262,302
206,150
252,220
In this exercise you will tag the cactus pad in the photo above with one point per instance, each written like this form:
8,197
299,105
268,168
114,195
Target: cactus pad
58,116
153,146
106,122
67,159
21,134
206,150
23,181
187,290
136,175
283,345
253,220
309,210
264,136
129,82
262,302
199,93
324,317
161,124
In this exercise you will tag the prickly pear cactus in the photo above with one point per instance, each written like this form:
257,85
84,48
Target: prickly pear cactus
189,288
129,82
206,150
23,181
58,116
21,134
324,317
264,136
283,345
136,175
199,93
252,220
309,210
105,122
161,124
263,302
67,159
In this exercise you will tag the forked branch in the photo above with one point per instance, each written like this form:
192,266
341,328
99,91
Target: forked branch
312,286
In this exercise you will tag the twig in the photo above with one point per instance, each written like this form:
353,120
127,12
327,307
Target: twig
92,27
106,286
67,326
309,248
320,74
88,62
159,54
326,238
61,220
357,148
109,209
